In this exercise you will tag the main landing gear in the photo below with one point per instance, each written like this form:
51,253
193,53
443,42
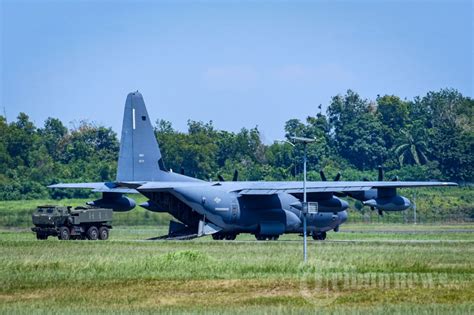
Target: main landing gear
224,236
261,237
319,236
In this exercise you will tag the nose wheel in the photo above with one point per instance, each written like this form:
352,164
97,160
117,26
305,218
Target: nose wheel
319,236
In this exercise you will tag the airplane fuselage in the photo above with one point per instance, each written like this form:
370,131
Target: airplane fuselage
234,213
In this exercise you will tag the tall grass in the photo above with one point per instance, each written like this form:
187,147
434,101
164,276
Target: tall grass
128,274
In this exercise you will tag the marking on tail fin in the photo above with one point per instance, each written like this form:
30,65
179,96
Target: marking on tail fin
133,119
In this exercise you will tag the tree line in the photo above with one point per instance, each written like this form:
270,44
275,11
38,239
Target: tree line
429,137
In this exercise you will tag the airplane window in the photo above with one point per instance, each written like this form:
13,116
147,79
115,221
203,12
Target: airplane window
143,118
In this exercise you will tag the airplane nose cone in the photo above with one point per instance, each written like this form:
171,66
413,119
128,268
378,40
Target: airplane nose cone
407,202
342,216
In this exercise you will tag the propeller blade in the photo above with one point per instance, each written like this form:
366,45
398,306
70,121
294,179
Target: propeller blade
338,177
380,212
380,179
182,170
221,179
323,176
236,176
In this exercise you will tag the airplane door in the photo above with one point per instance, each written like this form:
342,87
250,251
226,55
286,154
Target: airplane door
234,208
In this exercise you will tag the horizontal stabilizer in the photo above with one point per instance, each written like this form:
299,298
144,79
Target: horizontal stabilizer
97,187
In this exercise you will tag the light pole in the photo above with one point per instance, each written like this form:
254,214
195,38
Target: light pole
304,207
414,207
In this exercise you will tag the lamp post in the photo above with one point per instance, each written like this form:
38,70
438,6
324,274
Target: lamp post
414,208
304,207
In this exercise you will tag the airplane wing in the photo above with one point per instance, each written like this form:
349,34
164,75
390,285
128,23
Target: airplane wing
270,188
251,188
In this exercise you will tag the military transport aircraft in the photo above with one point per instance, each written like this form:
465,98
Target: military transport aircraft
225,209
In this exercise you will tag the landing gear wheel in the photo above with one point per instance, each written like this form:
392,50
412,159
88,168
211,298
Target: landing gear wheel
230,237
64,233
42,237
319,236
93,233
217,236
103,233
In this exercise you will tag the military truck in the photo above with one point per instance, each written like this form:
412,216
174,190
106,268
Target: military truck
83,222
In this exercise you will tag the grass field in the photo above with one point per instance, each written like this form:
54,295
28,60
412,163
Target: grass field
362,269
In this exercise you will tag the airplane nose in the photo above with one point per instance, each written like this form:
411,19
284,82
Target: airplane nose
342,216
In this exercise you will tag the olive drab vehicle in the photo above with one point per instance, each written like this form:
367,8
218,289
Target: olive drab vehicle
72,223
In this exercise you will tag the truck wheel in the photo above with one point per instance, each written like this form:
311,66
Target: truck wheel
64,233
103,233
93,233
40,236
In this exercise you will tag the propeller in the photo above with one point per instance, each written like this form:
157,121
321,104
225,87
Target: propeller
236,176
324,179
380,178
381,175
336,179
323,176
182,170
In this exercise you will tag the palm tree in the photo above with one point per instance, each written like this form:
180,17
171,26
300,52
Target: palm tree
411,150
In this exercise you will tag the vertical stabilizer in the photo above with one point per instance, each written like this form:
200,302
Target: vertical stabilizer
140,156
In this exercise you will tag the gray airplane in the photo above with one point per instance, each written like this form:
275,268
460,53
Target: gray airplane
225,209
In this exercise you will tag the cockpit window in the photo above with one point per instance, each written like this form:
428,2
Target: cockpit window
50,210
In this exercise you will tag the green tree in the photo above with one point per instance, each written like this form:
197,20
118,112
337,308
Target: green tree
411,150
357,131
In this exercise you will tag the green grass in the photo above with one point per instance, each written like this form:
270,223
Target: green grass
376,269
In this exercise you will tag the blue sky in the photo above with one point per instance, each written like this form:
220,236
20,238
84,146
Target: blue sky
239,63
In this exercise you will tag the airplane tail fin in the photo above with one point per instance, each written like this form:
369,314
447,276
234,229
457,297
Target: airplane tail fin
140,157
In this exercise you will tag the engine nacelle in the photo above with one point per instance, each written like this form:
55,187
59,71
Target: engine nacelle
395,203
114,201
332,204
150,205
